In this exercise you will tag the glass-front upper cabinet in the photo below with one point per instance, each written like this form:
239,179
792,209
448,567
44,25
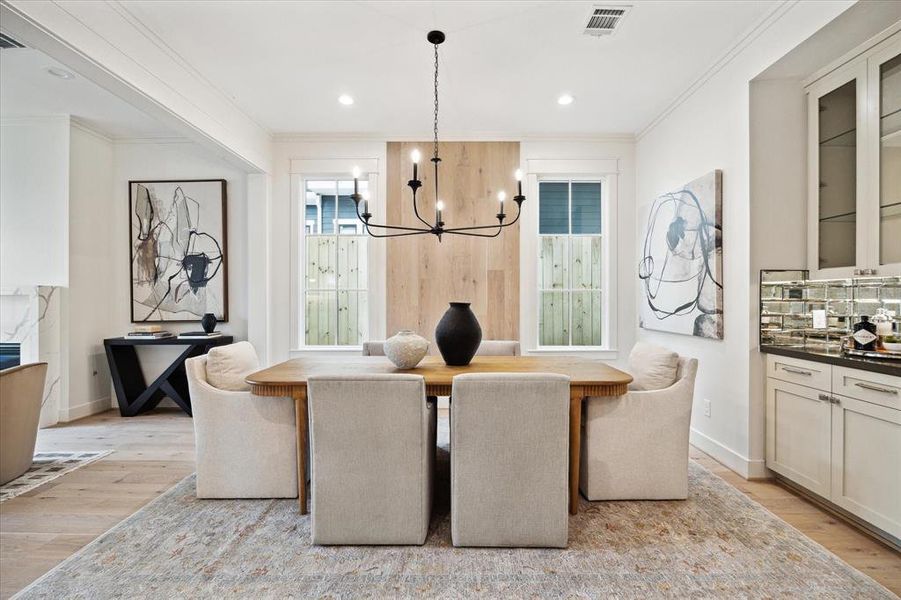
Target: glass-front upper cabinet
854,184
884,75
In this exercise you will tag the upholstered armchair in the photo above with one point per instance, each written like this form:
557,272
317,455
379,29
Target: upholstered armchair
372,439
635,446
246,445
509,460
21,394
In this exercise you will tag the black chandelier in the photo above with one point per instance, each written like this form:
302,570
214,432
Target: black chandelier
437,228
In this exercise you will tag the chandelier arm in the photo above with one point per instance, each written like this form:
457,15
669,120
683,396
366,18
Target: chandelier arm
416,210
501,226
481,235
367,224
391,235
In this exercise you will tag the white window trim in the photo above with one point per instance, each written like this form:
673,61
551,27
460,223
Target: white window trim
301,171
537,170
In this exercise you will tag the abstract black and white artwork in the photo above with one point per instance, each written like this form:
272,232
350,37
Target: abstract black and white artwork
178,250
681,260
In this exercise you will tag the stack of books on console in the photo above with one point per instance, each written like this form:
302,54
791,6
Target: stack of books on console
199,335
148,332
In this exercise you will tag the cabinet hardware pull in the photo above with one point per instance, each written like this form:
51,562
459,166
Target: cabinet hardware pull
825,398
834,400
877,388
797,371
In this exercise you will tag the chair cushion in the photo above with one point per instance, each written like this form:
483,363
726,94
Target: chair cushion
652,367
227,366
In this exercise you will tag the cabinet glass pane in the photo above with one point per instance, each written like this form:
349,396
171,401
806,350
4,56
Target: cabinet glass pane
890,161
838,177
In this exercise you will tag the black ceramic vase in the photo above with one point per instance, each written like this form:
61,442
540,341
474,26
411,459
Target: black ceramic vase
458,335
208,322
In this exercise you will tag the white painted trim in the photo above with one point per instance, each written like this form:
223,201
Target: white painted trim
84,127
608,171
864,48
92,39
299,170
152,140
765,22
80,411
333,167
744,466
288,137
33,120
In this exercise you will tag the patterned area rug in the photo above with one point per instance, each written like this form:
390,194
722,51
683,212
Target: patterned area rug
48,466
716,544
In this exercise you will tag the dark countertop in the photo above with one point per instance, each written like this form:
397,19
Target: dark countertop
887,366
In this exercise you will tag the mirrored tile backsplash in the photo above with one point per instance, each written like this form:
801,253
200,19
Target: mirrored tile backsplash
789,302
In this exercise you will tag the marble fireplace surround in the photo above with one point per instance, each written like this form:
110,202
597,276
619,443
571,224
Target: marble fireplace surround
31,317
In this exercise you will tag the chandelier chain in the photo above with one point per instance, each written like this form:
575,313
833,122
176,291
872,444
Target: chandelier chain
436,101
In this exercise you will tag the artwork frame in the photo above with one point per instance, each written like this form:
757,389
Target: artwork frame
681,260
212,205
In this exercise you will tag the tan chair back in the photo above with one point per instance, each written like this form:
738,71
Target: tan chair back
21,394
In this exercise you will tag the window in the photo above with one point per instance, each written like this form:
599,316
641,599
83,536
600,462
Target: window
335,276
571,307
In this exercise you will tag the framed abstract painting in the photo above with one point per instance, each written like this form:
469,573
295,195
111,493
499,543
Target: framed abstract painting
681,260
178,250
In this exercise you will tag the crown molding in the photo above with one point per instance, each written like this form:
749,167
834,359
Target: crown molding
474,136
153,140
765,22
82,126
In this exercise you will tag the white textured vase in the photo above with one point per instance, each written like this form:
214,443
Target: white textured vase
405,349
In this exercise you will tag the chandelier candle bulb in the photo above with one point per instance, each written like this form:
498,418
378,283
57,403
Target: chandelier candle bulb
501,196
518,175
439,206
415,156
356,174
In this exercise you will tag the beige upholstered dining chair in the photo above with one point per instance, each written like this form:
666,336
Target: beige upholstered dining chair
246,445
509,447
21,394
635,446
372,439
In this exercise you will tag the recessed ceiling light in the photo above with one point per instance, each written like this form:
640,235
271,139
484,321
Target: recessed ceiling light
61,73
565,100
345,100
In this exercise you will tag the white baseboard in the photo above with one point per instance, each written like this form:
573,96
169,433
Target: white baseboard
744,466
87,409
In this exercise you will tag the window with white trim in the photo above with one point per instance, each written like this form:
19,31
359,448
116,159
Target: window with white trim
571,263
335,288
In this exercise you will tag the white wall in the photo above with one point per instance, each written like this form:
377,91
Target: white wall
709,130
88,301
175,159
34,201
621,150
778,192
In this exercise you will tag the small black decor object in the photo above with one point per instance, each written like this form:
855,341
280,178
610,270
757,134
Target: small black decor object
458,335
208,322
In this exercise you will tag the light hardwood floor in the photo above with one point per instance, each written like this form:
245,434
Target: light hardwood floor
153,452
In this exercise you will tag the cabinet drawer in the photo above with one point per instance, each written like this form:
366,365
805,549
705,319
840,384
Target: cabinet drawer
884,390
803,372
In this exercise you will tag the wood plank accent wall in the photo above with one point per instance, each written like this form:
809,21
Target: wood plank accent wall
423,274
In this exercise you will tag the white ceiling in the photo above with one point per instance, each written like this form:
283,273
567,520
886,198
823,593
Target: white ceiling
502,67
26,89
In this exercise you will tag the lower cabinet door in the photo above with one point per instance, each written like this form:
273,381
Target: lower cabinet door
866,462
798,431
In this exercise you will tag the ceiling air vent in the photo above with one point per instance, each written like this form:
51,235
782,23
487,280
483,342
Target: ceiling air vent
8,42
604,20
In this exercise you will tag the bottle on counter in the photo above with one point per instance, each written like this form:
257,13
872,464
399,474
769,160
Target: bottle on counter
864,336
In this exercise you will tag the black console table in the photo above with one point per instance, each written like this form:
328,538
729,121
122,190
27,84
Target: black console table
132,391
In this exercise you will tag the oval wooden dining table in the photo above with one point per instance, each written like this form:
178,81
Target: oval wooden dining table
588,377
